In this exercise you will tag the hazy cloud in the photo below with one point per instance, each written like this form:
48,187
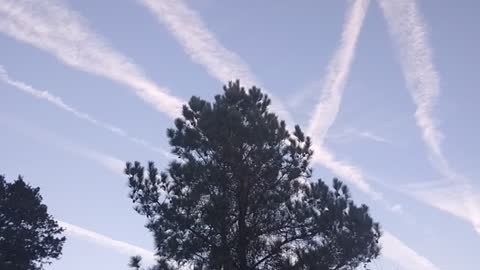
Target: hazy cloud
43,136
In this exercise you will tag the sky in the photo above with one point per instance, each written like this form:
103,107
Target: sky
385,88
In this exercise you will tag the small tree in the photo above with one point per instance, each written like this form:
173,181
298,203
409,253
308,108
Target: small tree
238,196
29,236
135,262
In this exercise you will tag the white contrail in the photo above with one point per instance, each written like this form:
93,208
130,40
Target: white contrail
58,102
332,90
338,69
400,253
408,31
107,242
188,28
52,27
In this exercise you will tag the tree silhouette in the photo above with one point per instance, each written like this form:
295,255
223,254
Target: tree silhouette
239,195
29,236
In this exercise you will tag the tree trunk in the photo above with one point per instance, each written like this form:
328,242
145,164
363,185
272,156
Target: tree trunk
242,227
226,260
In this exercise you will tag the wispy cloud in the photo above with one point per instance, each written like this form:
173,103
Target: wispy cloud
59,103
408,30
188,28
52,27
107,242
400,253
109,162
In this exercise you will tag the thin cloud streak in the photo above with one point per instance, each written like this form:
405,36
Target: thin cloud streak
349,134
188,28
54,28
371,136
109,162
107,242
398,252
59,103
409,33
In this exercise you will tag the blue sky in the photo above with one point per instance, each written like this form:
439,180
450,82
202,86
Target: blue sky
385,88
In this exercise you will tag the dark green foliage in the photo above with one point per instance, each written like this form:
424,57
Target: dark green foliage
238,196
29,236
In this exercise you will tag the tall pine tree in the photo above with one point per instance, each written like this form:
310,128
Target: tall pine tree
239,195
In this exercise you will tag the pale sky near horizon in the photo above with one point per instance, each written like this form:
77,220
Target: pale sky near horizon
391,106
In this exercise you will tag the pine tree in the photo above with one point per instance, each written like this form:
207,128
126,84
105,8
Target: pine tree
29,236
239,194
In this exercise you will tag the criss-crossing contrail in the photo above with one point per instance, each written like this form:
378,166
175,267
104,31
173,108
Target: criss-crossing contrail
59,103
60,32
203,47
188,28
52,27
409,33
